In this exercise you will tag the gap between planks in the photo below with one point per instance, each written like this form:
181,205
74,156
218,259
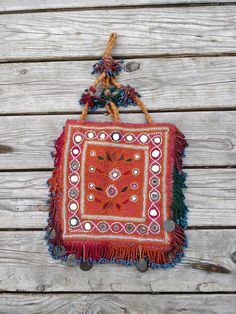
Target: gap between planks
121,7
119,292
128,57
61,113
205,167
188,228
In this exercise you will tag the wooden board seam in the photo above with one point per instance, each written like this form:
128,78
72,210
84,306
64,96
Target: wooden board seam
120,7
94,58
62,113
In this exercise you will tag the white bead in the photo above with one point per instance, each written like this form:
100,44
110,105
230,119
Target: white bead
78,138
129,138
143,138
73,206
157,140
102,136
134,198
73,221
87,226
92,153
75,151
74,178
155,168
153,212
91,185
90,135
136,156
92,169
90,197
115,136
155,153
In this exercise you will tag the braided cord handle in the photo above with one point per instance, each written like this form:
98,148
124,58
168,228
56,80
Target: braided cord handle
108,69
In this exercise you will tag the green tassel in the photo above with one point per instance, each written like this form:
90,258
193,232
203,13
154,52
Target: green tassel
178,207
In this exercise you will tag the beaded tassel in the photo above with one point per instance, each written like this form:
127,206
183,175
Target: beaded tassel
108,65
121,96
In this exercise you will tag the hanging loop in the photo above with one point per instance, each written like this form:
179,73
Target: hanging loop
108,68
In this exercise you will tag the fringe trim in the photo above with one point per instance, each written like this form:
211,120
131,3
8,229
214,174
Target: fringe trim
178,208
55,193
127,255
101,252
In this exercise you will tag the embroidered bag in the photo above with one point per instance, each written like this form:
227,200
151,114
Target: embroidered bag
116,188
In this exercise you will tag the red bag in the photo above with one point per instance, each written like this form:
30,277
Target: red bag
116,189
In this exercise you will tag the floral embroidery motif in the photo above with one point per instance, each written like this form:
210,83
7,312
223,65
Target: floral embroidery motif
118,166
111,190
115,174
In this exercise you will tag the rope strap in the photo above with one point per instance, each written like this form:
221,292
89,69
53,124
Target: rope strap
114,96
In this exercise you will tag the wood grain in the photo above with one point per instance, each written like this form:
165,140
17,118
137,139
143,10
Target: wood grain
23,198
16,5
185,55
164,83
155,31
25,265
211,137
116,303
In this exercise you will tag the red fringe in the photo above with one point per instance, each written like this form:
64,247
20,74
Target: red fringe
118,252
180,144
55,191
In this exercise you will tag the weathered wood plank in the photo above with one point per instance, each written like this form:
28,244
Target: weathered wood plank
26,266
116,303
164,83
15,5
23,198
26,141
182,30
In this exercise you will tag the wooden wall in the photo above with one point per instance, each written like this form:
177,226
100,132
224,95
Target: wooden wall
186,52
